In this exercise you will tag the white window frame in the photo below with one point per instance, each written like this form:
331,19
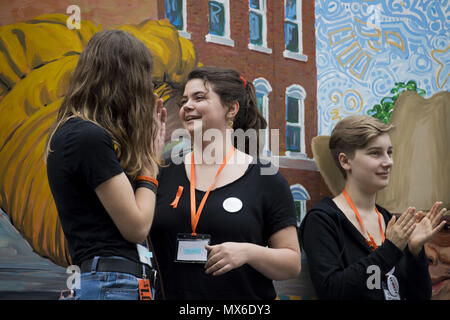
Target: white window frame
226,39
263,86
263,12
184,33
299,193
298,92
299,54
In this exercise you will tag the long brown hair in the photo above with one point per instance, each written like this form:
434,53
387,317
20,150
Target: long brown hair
230,86
112,87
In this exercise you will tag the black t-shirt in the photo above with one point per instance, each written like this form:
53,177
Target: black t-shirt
82,158
339,258
268,207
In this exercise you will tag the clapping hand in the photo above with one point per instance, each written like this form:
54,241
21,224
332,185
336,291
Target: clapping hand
427,227
399,231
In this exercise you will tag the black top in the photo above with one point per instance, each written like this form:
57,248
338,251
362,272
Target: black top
268,207
339,258
82,158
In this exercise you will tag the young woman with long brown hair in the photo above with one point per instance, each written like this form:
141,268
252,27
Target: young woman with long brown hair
222,229
109,131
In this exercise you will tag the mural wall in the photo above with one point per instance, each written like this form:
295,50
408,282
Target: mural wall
365,52
365,47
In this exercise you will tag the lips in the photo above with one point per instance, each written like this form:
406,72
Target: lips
189,118
383,174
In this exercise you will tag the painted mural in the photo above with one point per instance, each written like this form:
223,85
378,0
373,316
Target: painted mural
367,53
365,47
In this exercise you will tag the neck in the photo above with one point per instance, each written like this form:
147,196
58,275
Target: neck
363,200
213,151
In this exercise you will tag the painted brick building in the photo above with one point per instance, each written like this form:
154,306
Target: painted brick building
272,43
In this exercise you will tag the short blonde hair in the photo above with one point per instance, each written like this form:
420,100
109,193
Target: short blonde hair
352,133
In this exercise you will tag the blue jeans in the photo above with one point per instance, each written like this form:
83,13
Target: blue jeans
106,285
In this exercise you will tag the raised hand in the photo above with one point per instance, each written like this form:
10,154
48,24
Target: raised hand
427,227
161,114
399,231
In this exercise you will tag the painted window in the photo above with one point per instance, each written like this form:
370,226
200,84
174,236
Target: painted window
175,11
257,23
219,22
263,88
300,196
295,124
293,34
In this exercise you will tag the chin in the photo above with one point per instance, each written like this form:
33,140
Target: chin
377,187
191,128
381,184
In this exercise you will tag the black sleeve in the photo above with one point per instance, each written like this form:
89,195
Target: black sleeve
321,242
417,277
279,205
91,156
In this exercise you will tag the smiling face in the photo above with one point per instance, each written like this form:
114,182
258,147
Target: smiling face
370,166
201,105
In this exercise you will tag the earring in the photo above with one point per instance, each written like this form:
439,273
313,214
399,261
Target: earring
230,124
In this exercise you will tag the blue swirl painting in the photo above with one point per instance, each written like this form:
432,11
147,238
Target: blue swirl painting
365,47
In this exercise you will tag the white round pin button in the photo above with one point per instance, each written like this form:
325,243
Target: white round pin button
232,204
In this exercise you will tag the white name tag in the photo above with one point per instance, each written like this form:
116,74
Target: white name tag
145,255
191,249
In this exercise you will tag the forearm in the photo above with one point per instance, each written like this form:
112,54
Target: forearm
145,202
132,212
275,264
415,250
416,267
334,280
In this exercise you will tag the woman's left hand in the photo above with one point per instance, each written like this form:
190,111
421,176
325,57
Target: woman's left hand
426,228
225,257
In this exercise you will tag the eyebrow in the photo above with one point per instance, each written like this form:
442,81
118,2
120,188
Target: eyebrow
196,93
379,148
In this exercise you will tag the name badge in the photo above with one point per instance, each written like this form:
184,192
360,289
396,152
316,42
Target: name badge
191,249
145,255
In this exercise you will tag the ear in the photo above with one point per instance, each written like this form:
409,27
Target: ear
345,162
233,110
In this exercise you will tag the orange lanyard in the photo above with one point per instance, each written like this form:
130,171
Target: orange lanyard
195,214
370,242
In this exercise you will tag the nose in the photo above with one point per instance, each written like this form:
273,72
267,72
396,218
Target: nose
187,106
387,161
